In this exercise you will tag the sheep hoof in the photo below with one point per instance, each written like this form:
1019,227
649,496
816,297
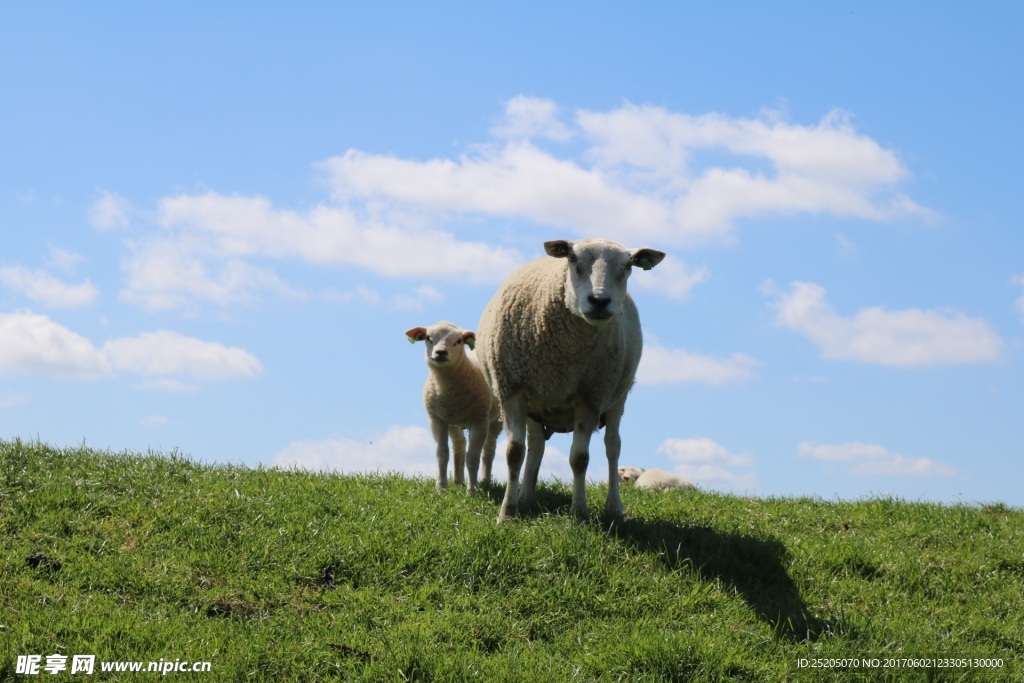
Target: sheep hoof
508,513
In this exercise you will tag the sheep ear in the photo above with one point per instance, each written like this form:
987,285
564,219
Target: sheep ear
647,258
558,248
470,339
416,334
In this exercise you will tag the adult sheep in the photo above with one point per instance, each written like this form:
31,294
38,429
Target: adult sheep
559,344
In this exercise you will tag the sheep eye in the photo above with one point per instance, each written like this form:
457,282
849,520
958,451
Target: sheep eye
572,258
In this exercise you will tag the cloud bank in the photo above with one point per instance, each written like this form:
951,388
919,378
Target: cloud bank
904,338
705,462
643,175
872,460
34,344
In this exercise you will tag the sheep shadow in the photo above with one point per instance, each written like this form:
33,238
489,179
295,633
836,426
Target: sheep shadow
755,568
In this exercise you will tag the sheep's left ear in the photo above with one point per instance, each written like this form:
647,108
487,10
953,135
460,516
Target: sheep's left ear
558,248
416,334
470,339
646,258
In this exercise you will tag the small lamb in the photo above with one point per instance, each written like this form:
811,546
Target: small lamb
457,397
654,479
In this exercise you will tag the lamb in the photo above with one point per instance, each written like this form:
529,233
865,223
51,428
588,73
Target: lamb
559,344
654,479
457,397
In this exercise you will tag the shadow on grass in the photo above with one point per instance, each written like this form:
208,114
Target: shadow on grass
754,567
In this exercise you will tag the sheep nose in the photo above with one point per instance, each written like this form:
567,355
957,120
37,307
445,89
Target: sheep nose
599,303
441,355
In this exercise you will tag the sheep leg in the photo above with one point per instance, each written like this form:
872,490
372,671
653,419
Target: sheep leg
612,448
490,445
477,435
534,455
439,428
459,448
515,430
579,458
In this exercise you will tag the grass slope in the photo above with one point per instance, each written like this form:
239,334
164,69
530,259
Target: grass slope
287,576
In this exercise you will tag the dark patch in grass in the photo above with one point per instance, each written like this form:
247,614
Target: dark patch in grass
225,608
41,561
753,567
868,571
361,656
326,579
1012,566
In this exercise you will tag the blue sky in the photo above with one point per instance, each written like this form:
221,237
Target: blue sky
217,223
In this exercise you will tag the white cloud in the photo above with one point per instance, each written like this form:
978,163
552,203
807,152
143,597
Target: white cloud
517,180
424,295
63,260
703,461
671,278
168,354
871,460
639,177
164,274
109,212
645,176
362,293
660,365
155,421
407,450
208,241
910,337
36,345
45,289
531,117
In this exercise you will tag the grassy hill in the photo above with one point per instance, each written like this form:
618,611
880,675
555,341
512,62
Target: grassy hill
287,576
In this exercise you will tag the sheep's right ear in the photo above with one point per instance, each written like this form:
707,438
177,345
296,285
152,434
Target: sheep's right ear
470,339
558,248
416,334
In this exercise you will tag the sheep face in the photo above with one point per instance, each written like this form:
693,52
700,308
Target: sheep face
629,474
445,343
595,287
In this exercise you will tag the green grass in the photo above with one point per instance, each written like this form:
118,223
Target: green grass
289,576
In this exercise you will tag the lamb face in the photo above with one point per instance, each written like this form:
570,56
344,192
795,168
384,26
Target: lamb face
445,344
595,287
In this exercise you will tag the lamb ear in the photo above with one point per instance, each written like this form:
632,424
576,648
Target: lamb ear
470,339
647,258
416,334
558,248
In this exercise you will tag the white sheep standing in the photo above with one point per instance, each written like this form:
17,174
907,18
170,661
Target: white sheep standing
457,397
559,344
655,479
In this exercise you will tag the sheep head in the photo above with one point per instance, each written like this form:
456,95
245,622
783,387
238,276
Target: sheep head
445,343
596,275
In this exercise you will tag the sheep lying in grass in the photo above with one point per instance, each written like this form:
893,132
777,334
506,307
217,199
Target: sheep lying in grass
655,479
457,397
559,344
